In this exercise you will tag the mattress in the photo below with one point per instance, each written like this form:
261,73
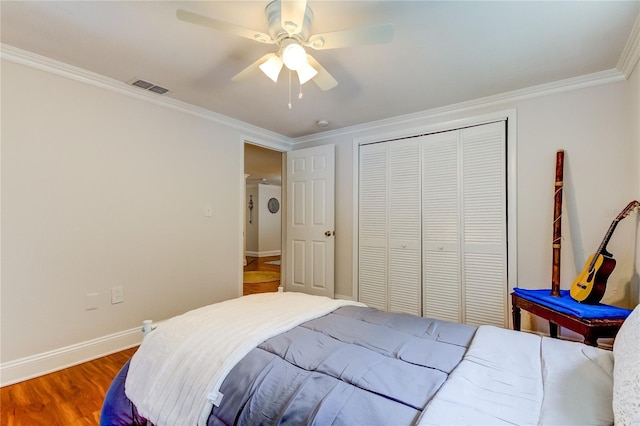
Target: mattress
355,365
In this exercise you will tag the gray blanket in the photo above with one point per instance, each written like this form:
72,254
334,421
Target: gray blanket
355,366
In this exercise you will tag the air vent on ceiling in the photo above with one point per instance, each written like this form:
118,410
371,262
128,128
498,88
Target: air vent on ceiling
149,86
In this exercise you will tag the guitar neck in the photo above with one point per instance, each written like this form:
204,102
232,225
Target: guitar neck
603,246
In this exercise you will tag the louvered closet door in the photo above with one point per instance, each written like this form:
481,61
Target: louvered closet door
442,292
373,218
405,259
484,224
389,227
433,225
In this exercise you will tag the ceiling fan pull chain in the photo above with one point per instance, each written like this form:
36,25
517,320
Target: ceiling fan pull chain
289,89
300,93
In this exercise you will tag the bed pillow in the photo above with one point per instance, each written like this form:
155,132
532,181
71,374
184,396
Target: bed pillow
626,372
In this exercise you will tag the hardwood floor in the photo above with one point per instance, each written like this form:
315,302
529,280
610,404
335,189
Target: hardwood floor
70,397
73,397
259,264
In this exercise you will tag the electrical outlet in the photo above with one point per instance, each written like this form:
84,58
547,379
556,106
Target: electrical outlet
117,295
91,301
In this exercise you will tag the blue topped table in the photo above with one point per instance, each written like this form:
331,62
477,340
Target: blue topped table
590,321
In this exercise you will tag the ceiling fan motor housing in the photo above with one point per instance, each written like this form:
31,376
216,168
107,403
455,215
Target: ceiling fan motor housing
272,12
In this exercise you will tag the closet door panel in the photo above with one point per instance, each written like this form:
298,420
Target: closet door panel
373,219
432,225
404,281
440,206
404,227
442,298
373,277
484,295
440,227
484,224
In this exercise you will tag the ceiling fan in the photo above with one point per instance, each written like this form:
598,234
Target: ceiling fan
289,29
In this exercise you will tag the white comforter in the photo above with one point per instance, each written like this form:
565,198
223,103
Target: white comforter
509,377
175,376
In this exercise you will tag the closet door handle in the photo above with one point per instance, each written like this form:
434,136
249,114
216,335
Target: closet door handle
327,233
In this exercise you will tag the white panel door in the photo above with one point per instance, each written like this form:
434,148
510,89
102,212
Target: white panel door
310,220
485,224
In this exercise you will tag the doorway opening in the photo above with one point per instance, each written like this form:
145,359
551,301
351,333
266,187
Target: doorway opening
263,219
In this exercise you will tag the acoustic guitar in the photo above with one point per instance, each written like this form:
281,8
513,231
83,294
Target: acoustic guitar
590,285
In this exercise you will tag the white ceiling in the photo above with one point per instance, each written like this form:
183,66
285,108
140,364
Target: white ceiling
443,52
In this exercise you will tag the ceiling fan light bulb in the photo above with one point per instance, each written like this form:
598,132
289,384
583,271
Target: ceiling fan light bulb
272,68
294,56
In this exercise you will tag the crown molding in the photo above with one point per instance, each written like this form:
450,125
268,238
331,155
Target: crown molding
62,69
626,64
629,58
631,52
588,80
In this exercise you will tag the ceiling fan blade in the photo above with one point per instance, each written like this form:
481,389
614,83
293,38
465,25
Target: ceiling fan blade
292,15
367,35
194,18
252,69
323,79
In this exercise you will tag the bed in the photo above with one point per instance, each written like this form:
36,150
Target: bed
291,358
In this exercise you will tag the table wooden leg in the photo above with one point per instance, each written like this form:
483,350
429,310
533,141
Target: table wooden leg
591,339
553,329
515,312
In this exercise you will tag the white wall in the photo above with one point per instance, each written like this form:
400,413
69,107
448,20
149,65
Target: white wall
254,225
103,189
595,128
634,113
270,227
264,235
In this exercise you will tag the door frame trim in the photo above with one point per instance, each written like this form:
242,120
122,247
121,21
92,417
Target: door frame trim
244,139
510,115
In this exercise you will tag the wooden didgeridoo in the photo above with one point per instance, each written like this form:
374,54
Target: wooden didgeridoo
557,222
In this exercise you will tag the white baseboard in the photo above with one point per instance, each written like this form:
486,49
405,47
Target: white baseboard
343,297
38,365
263,253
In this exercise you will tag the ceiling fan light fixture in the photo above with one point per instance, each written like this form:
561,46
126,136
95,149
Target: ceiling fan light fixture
294,56
306,73
272,68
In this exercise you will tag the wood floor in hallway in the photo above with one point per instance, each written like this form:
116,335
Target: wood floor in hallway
260,264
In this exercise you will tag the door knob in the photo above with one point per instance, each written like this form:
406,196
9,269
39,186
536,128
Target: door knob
327,233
